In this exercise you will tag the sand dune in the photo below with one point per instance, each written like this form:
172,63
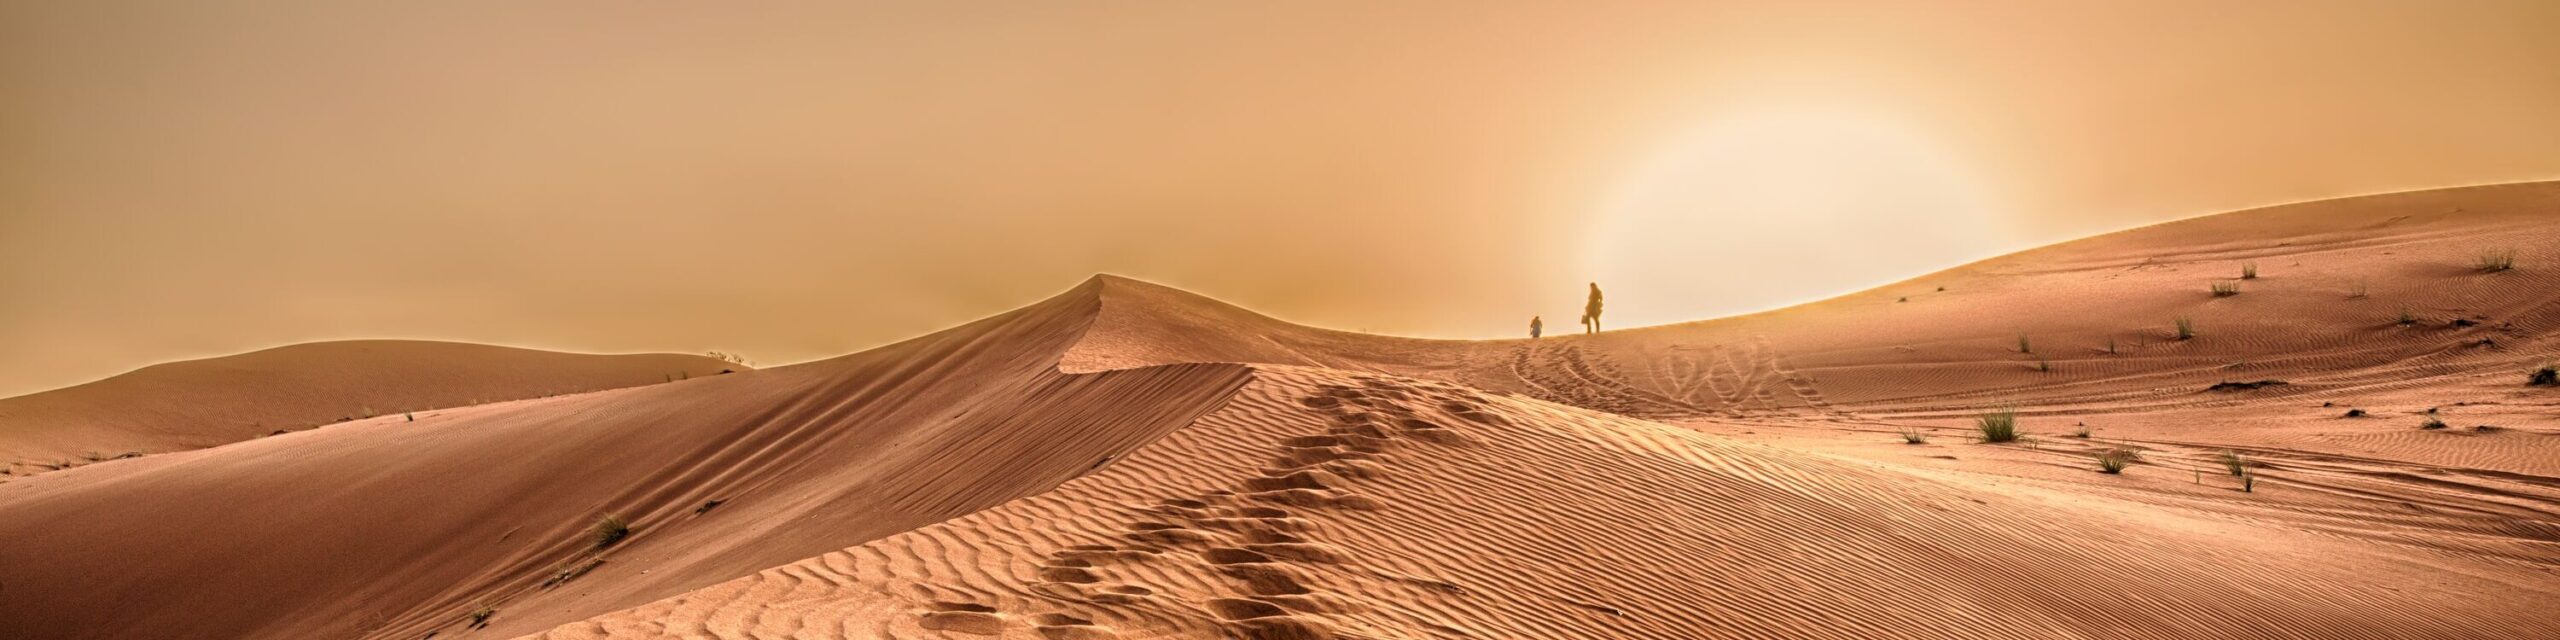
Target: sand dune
1320,504
202,403
391,528
1131,461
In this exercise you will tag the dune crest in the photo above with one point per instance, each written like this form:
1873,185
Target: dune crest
200,403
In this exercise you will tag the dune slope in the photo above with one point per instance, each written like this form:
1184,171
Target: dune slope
2099,316
202,403
391,528
1321,504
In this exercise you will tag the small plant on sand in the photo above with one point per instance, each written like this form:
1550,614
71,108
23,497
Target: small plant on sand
2248,271
2023,347
2358,292
2545,376
2231,461
1998,426
2226,288
610,529
2114,460
2495,261
2248,483
480,617
1914,436
2080,431
2111,346
2431,424
2406,318
2044,365
2186,328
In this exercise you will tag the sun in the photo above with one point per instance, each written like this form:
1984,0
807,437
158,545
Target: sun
1763,209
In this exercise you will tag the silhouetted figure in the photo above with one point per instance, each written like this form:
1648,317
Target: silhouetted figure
1536,326
1591,311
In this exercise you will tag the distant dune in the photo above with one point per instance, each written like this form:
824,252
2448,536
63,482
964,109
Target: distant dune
201,403
1127,460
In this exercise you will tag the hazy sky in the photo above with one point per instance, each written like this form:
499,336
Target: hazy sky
793,181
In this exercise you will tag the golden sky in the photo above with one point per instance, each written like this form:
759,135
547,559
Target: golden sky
800,180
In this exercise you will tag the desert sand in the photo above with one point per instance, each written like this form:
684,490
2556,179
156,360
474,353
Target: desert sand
201,403
1126,460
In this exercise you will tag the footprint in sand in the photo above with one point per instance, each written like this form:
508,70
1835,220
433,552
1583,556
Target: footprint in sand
1232,555
1369,429
1312,441
1442,436
1267,578
1318,499
1069,570
1280,627
963,617
1158,533
1300,479
1242,609
1121,594
1293,457
1059,626
1309,552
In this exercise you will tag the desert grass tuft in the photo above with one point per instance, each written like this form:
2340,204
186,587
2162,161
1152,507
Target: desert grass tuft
2495,260
480,617
2080,431
2406,318
2231,461
1998,426
2044,365
2431,424
2249,483
2115,460
2023,347
2186,328
2248,271
2546,376
2359,292
1914,436
609,529
2226,288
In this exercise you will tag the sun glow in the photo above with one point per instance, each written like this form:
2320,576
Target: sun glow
1764,209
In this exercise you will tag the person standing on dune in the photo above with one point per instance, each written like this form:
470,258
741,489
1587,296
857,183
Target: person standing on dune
1591,311
1536,326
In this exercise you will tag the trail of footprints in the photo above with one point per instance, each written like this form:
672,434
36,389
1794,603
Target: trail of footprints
1736,380
1249,535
